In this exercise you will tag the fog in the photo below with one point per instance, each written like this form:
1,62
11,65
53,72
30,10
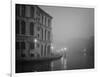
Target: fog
73,28
71,22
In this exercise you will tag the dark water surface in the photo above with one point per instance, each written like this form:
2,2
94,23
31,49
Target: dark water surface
66,62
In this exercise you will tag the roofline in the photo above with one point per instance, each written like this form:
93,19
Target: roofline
44,11
38,8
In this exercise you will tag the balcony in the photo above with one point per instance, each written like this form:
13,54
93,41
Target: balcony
25,37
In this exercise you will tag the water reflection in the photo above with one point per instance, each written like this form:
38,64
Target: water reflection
80,60
77,60
60,64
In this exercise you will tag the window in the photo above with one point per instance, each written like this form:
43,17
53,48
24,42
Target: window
42,19
32,46
42,50
23,27
38,45
31,28
17,9
38,28
32,55
42,33
45,51
39,17
23,10
37,12
17,45
32,11
17,27
45,20
45,34
48,50
48,22
38,36
23,54
48,35
22,45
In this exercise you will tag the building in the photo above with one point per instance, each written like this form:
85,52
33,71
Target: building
33,32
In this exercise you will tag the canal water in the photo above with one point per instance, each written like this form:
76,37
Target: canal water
71,61
77,60
60,64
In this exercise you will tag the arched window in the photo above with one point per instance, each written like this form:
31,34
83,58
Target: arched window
23,27
31,28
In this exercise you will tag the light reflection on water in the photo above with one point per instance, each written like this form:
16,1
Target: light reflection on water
77,60
60,64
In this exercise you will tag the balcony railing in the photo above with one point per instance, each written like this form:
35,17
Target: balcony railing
25,37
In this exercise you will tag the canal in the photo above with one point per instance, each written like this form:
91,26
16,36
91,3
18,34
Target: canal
68,61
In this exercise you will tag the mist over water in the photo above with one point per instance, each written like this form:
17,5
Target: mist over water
73,28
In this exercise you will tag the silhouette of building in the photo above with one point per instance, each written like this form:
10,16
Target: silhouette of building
33,32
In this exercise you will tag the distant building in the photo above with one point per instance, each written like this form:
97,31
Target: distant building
33,32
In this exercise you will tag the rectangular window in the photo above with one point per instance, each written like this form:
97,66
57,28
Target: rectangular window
23,27
45,20
32,46
42,33
45,50
42,19
22,45
39,17
48,35
31,28
38,36
48,22
17,45
41,50
23,10
17,27
45,34
38,45
32,12
17,10
38,28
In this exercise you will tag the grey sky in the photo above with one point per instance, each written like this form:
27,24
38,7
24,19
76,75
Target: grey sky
71,22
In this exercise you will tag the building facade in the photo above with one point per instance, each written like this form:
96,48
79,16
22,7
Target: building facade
33,32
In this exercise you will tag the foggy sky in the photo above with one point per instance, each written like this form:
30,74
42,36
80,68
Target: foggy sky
69,22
